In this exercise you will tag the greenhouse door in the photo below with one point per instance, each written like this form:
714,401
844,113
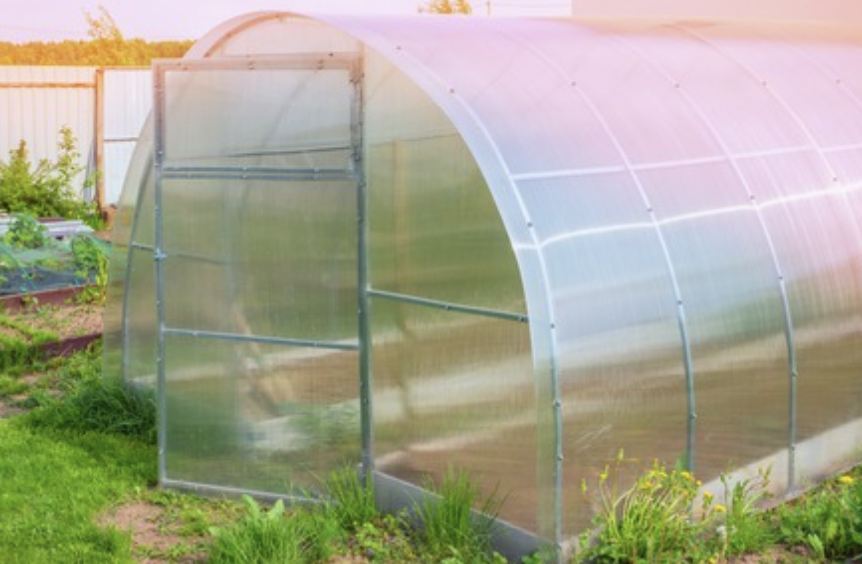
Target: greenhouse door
257,167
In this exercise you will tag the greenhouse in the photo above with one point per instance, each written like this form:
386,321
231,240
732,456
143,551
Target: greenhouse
513,247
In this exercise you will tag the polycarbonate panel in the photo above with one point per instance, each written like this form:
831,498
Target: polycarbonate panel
834,120
557,119
128,269
135,332
619,355
751,119
434,229
736,324
259,417
262,258
298,119
454,390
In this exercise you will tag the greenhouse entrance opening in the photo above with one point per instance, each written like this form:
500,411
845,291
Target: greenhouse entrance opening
258,168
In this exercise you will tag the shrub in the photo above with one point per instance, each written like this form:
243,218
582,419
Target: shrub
25,232
44,190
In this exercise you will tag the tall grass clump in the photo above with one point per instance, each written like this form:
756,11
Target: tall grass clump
353,501
450,530
743,528
93,403
260,537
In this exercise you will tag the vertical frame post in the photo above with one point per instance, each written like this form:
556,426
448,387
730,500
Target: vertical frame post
366,404
159,106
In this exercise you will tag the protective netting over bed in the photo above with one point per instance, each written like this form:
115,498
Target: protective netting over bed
36,257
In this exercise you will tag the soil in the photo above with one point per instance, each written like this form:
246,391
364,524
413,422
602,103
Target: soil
67,320
154,537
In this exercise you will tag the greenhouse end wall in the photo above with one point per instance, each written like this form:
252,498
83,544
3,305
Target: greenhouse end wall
574,239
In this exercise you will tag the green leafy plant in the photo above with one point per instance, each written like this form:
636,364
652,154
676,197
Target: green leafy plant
743,527
450,527
652,521
25,232
44,190
828,521
91,262
260,537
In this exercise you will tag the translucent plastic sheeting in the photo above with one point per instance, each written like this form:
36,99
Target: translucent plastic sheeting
274,258
675,205
817,242
266,118
451,387
259,417
133,225
434,229
736,325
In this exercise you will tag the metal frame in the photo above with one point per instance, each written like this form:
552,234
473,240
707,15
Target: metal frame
164,170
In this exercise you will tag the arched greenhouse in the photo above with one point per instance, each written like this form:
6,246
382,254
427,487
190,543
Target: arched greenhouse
509,246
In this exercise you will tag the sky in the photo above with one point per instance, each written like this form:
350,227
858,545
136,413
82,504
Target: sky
45,20
55,20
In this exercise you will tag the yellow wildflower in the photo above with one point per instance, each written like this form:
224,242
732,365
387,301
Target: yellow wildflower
698,483
707,495
845,480
686,475
720,508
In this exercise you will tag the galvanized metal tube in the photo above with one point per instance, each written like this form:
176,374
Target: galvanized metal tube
159,104
366,380
448,306
302,343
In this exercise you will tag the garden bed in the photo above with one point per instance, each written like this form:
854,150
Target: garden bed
33,330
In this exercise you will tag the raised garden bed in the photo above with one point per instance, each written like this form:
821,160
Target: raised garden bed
44,325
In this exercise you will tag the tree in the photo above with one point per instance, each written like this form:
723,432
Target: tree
103,27
447,7
107,38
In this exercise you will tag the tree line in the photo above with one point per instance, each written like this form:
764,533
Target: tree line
106,48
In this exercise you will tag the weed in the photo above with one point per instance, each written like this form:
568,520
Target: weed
742,527
260,537
321,533
651,521
384,540
449,526
828,521
353,500
93,403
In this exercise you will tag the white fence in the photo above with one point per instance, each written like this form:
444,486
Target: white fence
105,108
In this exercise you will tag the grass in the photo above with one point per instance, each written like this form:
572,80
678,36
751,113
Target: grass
87,446
450,529
665,518
55,483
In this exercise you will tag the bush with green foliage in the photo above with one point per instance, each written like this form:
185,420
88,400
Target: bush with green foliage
45,190
25,232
